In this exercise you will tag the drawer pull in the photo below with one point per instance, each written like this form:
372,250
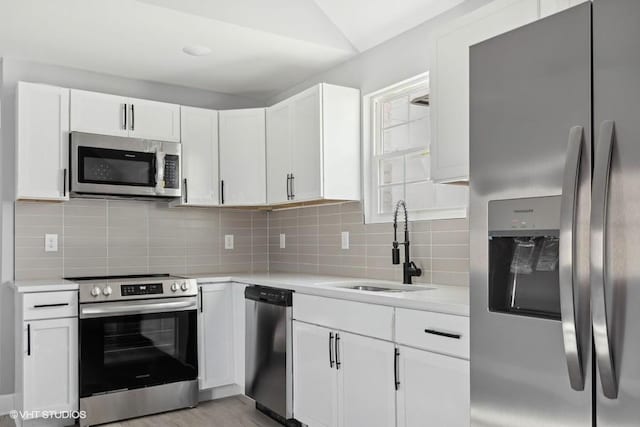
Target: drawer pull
62,304
442,334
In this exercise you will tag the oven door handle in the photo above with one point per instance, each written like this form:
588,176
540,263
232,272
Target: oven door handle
110,309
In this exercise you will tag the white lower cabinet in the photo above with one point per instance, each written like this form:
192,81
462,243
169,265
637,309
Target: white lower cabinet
433,389
50,365
315,382
216,364
46,354
342,379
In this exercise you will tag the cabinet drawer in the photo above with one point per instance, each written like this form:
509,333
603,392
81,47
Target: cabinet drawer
48,305
441,333
361,318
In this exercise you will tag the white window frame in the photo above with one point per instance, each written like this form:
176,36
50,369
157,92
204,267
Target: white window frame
370,140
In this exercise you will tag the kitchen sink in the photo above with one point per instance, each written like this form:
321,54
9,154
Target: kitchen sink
370,287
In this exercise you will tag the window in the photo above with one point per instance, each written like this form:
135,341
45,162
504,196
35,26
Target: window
397,163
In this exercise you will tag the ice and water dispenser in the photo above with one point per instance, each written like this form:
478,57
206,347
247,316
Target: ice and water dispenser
524,240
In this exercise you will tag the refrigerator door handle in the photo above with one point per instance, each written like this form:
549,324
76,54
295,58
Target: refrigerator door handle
602,340
571,335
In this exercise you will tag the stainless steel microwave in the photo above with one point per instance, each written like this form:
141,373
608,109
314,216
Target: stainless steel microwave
112,165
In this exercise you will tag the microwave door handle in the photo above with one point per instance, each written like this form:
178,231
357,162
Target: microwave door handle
160,172
599,281
567,259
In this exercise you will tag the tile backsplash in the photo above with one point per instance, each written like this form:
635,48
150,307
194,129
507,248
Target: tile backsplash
313,245
99,237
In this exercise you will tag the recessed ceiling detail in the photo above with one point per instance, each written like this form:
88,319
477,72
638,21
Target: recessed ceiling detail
257,47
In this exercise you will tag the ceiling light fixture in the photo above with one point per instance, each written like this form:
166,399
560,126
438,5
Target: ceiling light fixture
196,50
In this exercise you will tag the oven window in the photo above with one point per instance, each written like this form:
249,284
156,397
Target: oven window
129,352
116,167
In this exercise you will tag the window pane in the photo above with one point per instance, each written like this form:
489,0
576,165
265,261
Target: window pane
451,196
396,138
395,112
419,133
389,196
418,166
392,171
420,195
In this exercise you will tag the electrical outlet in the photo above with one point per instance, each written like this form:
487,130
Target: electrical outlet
228,241
51,243
345,240
283,240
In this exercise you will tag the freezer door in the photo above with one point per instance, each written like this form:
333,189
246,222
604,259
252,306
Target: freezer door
530,100
616,203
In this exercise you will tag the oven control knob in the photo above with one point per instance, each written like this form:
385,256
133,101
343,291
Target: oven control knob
107,291
95,291
175,286
184,286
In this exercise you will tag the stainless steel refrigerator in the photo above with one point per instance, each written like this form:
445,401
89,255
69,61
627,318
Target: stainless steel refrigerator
555,221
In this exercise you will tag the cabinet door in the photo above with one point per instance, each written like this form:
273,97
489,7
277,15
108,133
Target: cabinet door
278,152
449,78
154,120
99,113
315,384
215,329
42,142
50,358
242,157
306,120
433,390
199,130
366,381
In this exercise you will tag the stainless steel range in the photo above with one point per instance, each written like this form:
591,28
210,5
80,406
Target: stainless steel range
138,346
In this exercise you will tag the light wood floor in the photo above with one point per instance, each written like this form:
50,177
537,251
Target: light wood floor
235,411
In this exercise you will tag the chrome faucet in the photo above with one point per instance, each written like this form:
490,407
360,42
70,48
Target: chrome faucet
409,268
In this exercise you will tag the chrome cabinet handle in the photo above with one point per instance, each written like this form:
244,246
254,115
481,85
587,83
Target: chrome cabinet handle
338,363
293,191
570,333
288,191
602,341
331,349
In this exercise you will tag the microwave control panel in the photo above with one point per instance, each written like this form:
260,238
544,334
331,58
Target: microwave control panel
171,171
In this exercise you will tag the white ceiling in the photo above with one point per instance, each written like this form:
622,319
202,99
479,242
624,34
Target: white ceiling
259,46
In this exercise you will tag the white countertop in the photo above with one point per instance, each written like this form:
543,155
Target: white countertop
438,298
44,285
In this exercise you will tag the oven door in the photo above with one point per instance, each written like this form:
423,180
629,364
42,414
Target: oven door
124,166
135,344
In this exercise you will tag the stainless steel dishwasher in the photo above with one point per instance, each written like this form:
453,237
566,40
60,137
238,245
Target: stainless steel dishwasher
268,361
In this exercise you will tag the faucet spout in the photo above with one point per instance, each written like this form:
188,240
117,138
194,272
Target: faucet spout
409,268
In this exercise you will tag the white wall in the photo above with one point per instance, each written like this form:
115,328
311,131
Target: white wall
400,58
12,71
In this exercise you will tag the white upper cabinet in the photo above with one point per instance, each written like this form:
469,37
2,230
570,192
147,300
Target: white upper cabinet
154,120
199,129
99,113
313,146
42,135
242,157
449,80
115,115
